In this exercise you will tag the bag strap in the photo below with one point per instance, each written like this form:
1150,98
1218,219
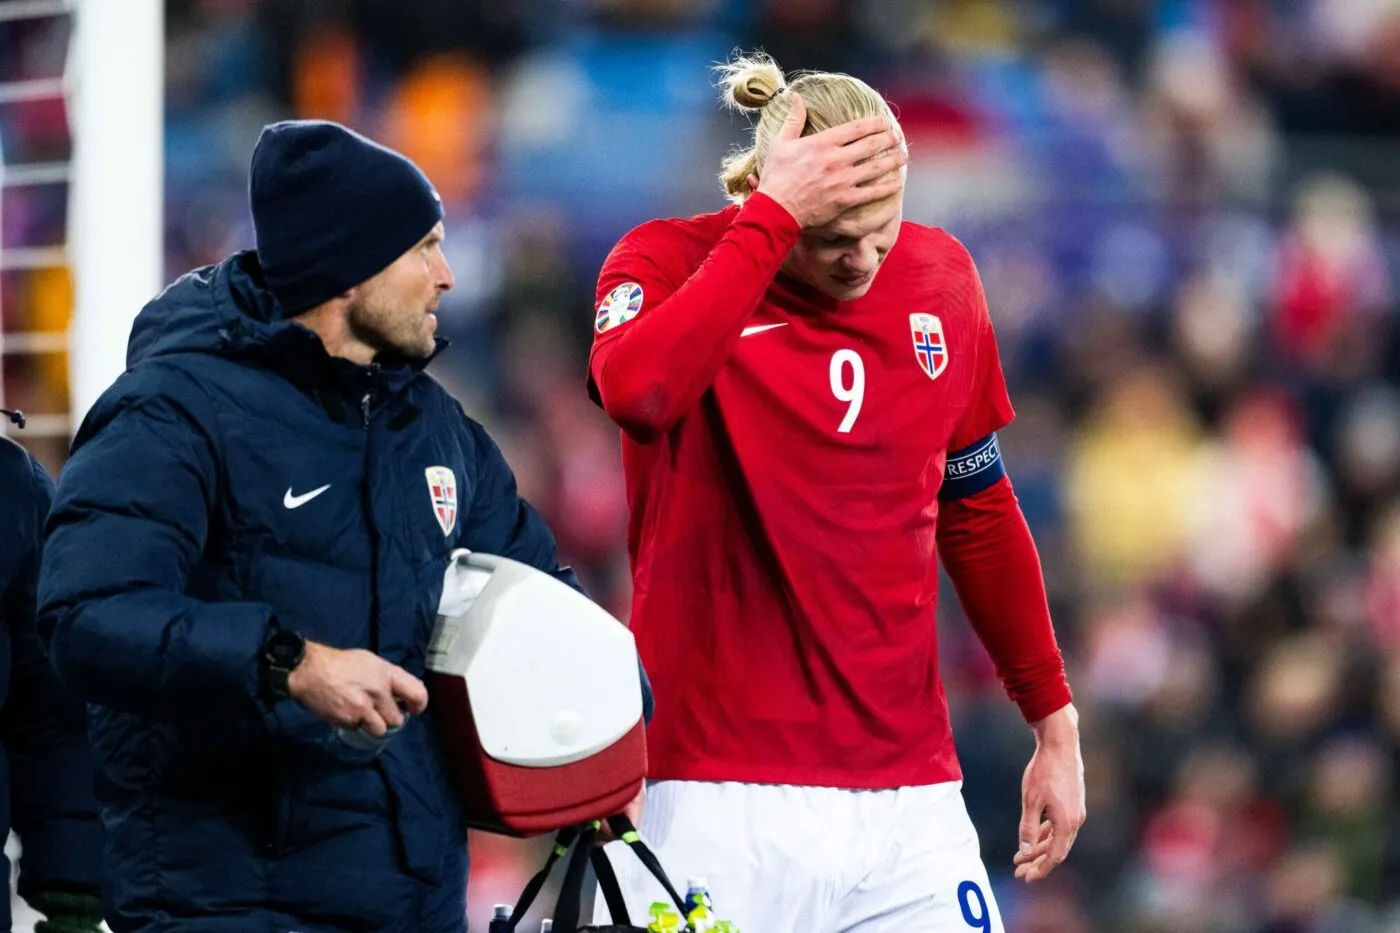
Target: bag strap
612,891
570,904
566,838
623,829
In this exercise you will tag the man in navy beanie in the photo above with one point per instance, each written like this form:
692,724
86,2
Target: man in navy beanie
245,557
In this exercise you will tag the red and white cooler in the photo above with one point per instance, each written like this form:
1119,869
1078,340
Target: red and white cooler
537,698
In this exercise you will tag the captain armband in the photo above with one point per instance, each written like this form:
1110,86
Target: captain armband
972,469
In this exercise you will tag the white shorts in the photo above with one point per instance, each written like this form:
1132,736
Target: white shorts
784,859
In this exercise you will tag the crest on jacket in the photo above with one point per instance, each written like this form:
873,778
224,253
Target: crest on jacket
929,345
442,489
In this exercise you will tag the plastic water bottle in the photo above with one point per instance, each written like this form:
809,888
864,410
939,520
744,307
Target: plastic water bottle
656,916
546,925
500,919
699,909
697,894
360,740
664,918
666,923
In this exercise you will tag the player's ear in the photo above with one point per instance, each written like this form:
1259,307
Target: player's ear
753,183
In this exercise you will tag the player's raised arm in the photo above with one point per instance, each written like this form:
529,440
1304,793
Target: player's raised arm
987,549
649,372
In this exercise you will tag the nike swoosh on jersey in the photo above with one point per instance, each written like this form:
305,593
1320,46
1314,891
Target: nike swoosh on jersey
296,502
759,328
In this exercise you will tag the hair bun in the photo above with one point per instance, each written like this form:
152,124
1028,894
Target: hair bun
750,82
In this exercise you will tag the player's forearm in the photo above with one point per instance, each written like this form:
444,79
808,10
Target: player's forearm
988,551
657,367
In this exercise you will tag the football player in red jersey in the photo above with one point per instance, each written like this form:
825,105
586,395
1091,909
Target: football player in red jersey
809,391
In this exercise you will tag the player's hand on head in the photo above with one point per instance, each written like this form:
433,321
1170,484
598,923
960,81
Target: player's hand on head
1052,797
819,177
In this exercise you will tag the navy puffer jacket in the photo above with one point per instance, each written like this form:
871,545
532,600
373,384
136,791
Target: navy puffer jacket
45,767
184,527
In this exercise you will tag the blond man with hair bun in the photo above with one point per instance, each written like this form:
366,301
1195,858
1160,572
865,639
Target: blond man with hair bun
809,391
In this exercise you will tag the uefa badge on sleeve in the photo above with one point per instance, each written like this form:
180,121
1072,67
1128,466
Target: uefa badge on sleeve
442,489
621,305
929,346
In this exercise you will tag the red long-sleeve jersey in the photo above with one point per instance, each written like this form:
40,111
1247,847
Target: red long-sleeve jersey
784,454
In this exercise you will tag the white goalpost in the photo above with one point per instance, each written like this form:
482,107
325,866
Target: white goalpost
115,228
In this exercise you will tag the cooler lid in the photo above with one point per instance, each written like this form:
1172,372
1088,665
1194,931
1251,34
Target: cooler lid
551,677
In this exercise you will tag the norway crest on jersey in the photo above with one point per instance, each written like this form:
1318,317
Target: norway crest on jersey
929,346
442,489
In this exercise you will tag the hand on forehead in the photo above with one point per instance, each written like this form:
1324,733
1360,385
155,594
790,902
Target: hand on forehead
867,218
864,219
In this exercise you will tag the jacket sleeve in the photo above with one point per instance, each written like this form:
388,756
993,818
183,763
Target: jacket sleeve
44,729
501,522
130,520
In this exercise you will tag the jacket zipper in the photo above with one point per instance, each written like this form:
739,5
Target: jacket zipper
365,402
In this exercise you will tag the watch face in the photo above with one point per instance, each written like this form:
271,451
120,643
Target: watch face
285,648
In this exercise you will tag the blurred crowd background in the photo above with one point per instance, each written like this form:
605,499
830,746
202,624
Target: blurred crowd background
1187,217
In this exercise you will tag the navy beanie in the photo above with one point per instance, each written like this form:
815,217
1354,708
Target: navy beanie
331,209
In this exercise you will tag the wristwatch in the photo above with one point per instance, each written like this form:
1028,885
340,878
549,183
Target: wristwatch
281,653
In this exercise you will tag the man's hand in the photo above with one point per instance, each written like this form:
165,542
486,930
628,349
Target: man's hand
1052,796
355,689
819,177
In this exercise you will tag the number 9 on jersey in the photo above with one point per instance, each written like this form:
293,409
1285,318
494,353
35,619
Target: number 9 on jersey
854,393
